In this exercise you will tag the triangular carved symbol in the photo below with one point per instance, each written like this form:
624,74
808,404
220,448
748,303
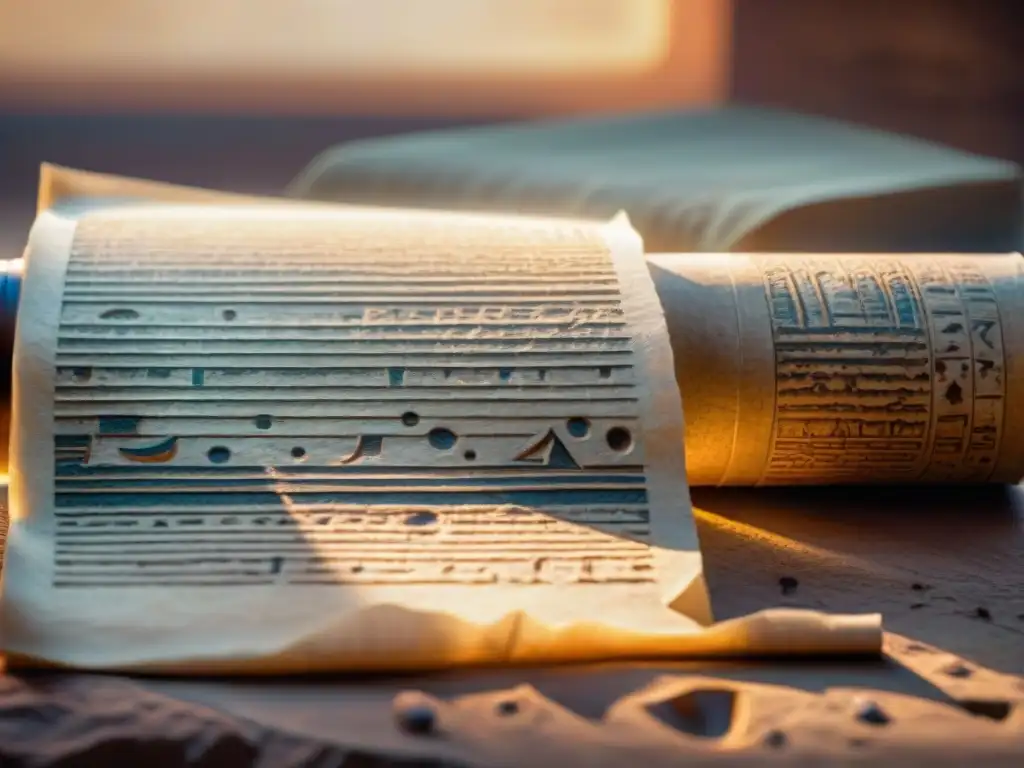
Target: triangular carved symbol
550,451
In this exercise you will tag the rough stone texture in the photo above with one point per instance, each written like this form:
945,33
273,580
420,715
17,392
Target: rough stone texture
723,714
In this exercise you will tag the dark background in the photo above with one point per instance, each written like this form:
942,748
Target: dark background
946,70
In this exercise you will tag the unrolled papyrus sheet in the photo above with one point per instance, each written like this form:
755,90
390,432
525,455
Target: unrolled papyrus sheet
846,368
265,437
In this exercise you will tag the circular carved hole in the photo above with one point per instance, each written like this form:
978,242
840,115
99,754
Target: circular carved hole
470,455
298,452
263,421
578,426
229,314
410,419
441,438
218,454
619,439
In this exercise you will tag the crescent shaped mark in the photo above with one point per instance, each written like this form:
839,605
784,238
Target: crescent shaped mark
368,446
159,453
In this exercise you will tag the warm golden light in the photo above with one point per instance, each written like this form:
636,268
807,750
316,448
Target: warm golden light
457,57
199,37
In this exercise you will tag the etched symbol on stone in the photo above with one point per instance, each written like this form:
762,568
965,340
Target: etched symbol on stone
158,453
550,451
441,438
368,447
983,329
578,427
119,314
218,454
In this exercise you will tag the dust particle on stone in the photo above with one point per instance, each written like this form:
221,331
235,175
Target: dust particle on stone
919,587
959,670
508,707
869,712
983,613
775,739
915,606
788,585
418,719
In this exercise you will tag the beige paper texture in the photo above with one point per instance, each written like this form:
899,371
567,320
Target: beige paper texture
254,437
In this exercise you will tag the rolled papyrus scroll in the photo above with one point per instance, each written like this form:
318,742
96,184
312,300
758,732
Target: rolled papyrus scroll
844,368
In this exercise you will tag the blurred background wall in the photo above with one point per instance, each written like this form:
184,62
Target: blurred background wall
242,93
947,70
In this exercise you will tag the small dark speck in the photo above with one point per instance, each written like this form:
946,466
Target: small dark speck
418,720
775,739
1020,617
918,587
858,743
940,367
120,314
356,569
959,670
788,585
983,613
421,518
508,707
915,606
872,714
916,648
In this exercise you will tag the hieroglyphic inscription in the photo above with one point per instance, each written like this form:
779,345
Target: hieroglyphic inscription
325,409
887,370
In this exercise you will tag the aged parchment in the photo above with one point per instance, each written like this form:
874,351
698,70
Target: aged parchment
268,437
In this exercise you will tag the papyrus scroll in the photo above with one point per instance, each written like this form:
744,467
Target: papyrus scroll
268,437
845,368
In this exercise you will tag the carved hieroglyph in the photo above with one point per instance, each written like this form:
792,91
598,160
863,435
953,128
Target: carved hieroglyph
798,368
